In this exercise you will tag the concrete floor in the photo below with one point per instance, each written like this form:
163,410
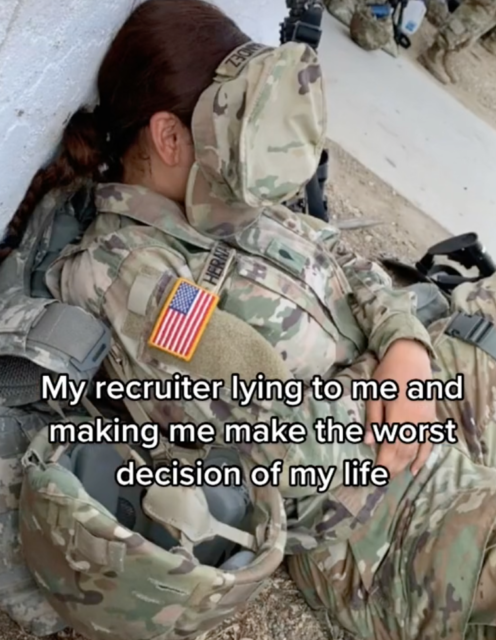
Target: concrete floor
400,123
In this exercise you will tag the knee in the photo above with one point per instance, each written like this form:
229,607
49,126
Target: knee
478,297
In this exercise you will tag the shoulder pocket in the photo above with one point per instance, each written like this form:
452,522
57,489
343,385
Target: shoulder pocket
292,293
320,274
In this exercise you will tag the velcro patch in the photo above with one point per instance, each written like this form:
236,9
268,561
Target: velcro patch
183,319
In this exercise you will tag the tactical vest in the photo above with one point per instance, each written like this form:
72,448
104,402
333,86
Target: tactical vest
276,253
279,254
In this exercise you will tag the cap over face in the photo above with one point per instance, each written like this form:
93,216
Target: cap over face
259,131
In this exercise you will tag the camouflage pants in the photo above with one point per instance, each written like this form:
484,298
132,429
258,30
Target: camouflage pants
467,24
424,566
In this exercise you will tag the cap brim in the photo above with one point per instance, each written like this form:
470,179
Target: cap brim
213,215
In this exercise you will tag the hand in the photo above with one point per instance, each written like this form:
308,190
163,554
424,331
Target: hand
405,360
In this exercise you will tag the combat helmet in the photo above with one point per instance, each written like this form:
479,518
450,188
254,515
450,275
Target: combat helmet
368,31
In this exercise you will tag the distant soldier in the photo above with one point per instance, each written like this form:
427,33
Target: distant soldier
438,12
468,24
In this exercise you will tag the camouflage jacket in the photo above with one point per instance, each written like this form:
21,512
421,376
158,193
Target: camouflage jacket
308,307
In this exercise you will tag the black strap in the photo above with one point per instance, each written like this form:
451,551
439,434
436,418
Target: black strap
475,330
316,200
398,11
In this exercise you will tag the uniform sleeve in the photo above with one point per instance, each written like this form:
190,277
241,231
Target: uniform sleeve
384,314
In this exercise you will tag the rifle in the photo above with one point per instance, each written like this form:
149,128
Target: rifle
303,24
448,264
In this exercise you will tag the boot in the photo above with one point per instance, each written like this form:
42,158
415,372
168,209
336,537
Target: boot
433,61
489,44
449,66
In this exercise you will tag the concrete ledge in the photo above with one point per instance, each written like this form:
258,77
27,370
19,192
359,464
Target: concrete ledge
49,54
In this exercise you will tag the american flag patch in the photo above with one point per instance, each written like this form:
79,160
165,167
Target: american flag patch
183,319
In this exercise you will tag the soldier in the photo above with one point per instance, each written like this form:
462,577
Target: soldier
472,20
198,270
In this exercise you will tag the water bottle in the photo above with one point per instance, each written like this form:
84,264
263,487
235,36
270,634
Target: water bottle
413,15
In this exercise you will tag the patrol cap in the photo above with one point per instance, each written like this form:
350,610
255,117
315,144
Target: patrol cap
259,131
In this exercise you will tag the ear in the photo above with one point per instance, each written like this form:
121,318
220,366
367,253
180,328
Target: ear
165,133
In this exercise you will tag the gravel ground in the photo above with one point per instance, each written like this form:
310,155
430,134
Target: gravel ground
354,192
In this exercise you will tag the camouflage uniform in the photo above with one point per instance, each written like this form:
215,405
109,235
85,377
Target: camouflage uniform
396,562
465,27
294,303
437,12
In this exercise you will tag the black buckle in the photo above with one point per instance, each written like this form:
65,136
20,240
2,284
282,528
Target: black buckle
306,33
472,329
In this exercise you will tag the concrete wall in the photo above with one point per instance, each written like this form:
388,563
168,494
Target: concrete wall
49,54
